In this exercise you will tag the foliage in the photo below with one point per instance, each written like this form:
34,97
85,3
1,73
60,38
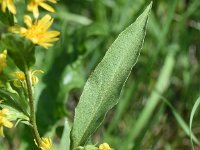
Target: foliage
156,102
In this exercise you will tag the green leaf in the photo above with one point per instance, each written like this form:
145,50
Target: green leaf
14,114
7,18
196,105
65,140
90,147
21,50
12,100
104,86
180,120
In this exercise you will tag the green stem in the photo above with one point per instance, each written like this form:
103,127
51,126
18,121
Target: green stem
32,108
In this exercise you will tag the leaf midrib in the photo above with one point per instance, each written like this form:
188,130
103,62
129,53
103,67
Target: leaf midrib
106,91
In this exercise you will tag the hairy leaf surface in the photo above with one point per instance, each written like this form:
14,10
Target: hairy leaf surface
103,88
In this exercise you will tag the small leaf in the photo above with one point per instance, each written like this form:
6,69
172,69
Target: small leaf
14,114
65,140
104,86
6,18
12,100
21,50
90,147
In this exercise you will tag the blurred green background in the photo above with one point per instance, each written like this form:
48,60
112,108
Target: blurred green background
164,84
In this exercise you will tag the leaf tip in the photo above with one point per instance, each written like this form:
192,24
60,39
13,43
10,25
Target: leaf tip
148,9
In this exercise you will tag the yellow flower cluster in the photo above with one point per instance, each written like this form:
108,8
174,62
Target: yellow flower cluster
3,56
32,6
4,122
37,31
34,78
46,144
20,78
8,4
104,146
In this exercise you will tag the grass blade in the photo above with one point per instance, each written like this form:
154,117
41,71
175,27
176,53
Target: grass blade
196,105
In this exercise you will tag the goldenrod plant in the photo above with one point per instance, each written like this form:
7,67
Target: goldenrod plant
18,84
99,74
21,43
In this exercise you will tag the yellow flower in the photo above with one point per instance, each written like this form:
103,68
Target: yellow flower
4,121
37,31
3,56
34,4
104,146
46,144
19,75
20,78
8,4
34,78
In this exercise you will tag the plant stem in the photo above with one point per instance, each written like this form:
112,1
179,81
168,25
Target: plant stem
32,108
